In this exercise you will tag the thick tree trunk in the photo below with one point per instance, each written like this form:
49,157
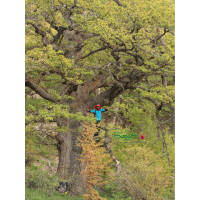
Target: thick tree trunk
69,167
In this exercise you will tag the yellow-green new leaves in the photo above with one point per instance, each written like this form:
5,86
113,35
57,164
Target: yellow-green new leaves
44,111
47,58
136,25
161,94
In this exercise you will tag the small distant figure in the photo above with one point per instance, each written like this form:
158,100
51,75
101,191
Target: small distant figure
142,137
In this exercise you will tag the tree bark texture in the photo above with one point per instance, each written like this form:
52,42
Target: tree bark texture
69,167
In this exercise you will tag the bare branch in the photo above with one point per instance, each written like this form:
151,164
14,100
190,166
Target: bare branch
92,52
123,44
118,118
161,36
65,91
168,120
118,2
109,150
73,6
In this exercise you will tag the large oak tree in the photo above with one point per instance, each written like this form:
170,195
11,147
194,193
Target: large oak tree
75,47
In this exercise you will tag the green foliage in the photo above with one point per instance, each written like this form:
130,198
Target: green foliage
112,192
41,185
143,174
43,110
134,156
110,22
37,178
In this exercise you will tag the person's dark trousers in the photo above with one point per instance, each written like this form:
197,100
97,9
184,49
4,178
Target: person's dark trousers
98,128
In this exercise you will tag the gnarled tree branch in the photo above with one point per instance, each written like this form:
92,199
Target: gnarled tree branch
108,140
118,2
92,52
40,32
29,82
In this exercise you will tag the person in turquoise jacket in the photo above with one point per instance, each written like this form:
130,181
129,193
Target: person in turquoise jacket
97,113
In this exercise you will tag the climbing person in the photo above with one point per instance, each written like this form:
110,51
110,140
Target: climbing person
97,113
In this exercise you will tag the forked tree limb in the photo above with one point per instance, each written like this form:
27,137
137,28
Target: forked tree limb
92,52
